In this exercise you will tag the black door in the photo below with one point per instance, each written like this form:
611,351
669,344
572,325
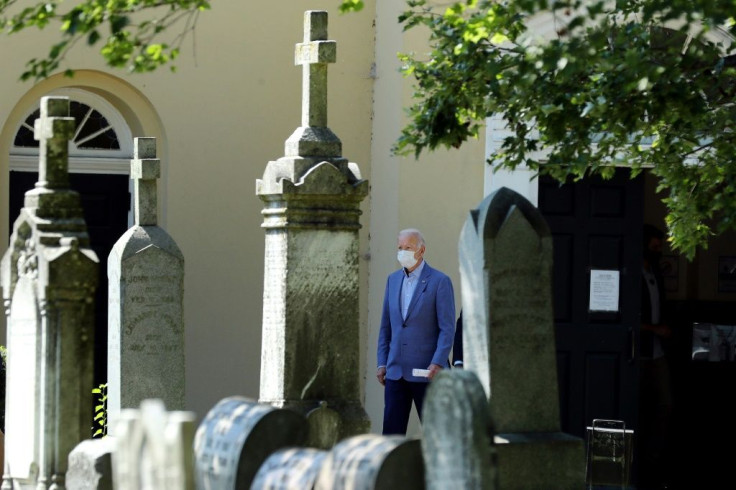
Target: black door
106,201
596,226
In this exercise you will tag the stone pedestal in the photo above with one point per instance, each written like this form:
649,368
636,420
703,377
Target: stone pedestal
49,276
312,195
539,461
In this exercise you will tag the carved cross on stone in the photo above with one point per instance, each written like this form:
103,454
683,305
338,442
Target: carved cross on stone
314,54
145,169
53,130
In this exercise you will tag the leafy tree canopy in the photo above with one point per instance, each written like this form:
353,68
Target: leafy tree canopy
636,83
127,30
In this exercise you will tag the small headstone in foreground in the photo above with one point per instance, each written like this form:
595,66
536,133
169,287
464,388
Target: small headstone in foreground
373,462
458,433
154,448
90,465
291,468
237,436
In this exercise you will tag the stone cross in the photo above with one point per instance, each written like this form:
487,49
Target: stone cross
145,169
53,130
314,54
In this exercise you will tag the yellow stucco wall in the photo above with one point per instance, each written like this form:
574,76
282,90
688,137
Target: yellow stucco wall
226,112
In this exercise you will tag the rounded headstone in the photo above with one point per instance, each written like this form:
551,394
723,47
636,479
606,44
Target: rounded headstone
290,468
237,436
371,461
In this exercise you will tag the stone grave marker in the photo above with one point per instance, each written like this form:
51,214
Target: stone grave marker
48,277
458,433
373,462
311,215
90,465
145,272
291,468
509,342
153,448
237,436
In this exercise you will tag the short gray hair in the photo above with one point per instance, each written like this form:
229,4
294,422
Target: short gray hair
416,233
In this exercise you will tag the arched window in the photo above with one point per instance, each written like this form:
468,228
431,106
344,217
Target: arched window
102,141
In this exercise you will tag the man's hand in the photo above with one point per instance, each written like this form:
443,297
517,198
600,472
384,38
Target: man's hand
433,370
381,375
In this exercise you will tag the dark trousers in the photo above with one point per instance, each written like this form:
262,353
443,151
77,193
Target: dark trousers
398,396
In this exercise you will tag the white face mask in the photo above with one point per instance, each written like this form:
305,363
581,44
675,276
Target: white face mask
406,259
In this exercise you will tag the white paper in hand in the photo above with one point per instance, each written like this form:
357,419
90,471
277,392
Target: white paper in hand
420,373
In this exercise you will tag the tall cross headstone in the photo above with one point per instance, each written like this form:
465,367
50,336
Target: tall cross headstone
509,342
145,271
311,333
49,276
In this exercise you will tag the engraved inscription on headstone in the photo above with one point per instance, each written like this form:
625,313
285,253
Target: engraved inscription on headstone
371,461
237,436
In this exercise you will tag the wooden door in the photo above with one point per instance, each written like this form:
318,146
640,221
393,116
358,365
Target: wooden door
596,226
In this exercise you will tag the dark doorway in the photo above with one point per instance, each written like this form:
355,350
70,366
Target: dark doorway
106,201
596,226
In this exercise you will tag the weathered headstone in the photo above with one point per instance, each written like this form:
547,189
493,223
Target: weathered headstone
373,462
49,275
153,448
458,433
311,334
145,272
90,465
291,468
237,436
508,340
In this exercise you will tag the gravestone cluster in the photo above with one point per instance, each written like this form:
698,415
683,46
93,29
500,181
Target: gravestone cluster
492,426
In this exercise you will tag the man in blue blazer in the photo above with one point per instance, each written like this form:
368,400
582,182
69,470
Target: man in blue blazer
417,329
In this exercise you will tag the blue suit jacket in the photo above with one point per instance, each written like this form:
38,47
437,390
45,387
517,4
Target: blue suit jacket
425,336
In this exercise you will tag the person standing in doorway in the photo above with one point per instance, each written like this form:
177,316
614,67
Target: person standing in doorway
416,332
655,391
